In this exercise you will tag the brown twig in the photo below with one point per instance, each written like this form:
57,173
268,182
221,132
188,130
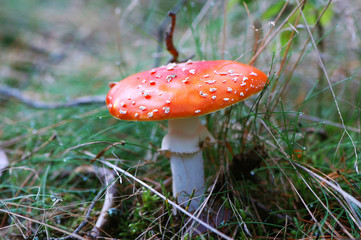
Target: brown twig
111,192
287,49
267,39
108,176
36,149
257,30
6,91
161,31
169,39
289,76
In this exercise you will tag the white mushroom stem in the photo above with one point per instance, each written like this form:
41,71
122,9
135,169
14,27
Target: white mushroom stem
183,145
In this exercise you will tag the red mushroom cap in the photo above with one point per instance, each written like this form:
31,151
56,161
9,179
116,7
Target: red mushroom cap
183,90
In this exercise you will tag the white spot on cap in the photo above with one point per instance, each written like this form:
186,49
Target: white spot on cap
146,93
210,81
185,80
226,99
110,105
229,89
144,81
166,110
150,114
253,74
133,102
171,66
235,79
235,74
214,97
189,61
122,111
197,111
170,77
158,75
192,71
155,110
243,84
212,89
245,78
220,73
122,104
203,94
136,114
142,108
206,76
152,82
167,101
152,71
241,94
230,71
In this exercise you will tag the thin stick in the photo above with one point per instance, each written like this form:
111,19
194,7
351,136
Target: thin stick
6,91
36,149
169,39
161,31
116,168
109,178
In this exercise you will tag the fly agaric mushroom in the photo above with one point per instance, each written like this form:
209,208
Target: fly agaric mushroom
180,93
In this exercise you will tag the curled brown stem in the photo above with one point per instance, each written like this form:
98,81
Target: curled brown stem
169,39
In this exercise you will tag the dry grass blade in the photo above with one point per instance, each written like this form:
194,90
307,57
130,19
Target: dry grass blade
324,121
325,207
309,187
331,88
335,187
301,199
267,41
196,21
118,169
76,236
288,78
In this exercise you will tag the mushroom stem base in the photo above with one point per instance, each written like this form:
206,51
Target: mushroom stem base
188,179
